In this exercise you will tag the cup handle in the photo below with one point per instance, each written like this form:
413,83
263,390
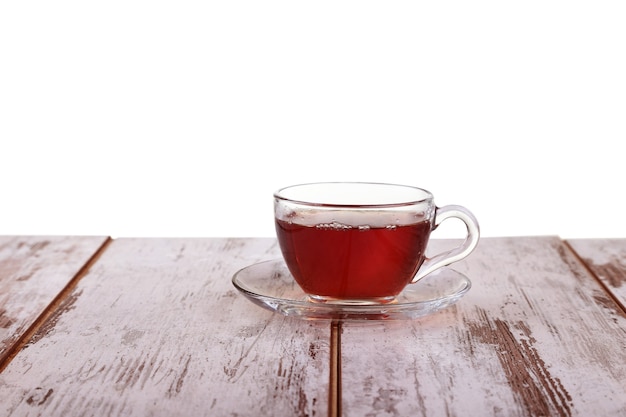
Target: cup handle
458,253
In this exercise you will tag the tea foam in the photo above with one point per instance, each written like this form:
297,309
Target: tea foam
341,219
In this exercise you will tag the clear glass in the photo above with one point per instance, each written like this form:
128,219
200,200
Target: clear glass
270,285
362,243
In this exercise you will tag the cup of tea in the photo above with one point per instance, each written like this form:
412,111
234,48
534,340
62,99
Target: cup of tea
362,243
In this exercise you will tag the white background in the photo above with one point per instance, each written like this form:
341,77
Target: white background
180,118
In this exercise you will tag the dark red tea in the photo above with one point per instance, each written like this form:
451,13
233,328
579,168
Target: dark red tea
338,261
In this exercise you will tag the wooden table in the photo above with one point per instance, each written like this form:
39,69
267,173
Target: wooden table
154,327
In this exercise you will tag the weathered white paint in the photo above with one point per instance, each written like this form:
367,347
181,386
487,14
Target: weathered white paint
156,328
606,259
536,335
33,271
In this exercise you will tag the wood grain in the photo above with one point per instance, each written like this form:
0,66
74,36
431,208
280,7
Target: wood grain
606,259
156,328
536,336
34,270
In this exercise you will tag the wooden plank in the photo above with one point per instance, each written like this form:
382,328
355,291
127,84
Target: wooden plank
536,335
156,328
34,270
606,259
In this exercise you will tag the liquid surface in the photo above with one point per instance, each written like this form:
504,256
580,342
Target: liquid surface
353,262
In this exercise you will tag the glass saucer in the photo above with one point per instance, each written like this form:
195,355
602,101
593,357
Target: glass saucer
270,285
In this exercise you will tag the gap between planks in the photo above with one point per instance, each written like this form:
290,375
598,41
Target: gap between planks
52,307
605,287
334,386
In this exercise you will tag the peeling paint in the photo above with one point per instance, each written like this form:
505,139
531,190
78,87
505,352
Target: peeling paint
537,391
50,324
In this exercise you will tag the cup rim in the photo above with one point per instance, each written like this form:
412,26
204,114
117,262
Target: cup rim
401,202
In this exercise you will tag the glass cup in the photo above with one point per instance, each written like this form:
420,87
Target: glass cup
362,243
